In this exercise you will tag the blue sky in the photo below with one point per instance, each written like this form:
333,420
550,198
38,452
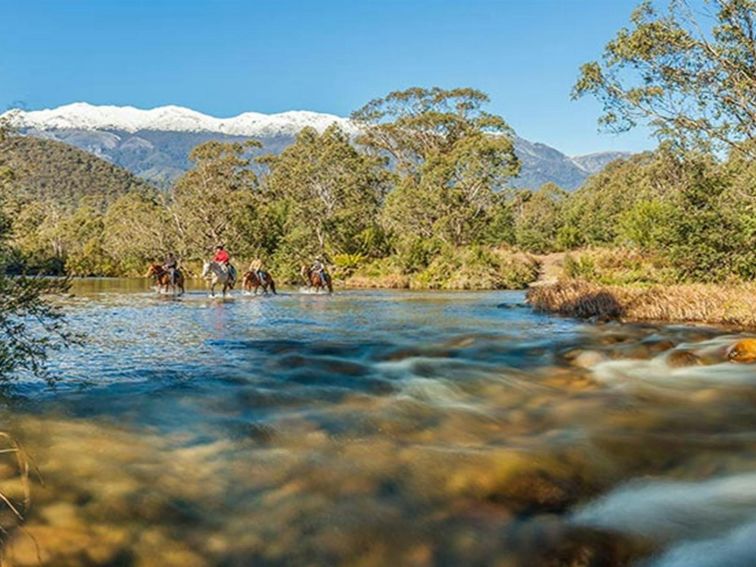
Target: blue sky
224,57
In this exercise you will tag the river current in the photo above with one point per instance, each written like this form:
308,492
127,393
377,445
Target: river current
380,428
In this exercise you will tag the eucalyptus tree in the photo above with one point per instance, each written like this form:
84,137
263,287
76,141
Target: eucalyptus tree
212,202
539,218
330,191
451,156
690,74
137,229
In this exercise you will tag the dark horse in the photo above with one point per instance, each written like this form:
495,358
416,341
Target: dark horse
251,282
163,279
313,279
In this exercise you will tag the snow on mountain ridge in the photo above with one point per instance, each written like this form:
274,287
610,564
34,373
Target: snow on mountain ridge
85,116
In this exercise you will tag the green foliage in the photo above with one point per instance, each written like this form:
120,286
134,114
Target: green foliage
500,226
451,157
414,254
647,224
213,203
539,218
331,191
31,325
580,267
618,266
346,264
688,73
476,267
590,215
709,242
136,230
61,175
81,240
448,267
421,202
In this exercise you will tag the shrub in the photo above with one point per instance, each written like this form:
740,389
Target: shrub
618,266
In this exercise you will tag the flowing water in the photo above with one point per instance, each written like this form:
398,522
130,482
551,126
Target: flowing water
380,428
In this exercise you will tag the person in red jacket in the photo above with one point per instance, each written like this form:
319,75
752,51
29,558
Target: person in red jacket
223,258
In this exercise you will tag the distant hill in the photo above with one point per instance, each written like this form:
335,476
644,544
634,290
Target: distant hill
542,164
155,144
51,170
593,163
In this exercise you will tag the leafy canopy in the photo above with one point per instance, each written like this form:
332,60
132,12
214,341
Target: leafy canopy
691,74
450,155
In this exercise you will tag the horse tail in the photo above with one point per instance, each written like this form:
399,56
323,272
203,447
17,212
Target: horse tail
272,286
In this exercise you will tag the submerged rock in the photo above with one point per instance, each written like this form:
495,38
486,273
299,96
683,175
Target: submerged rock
682,358
743,351
589,359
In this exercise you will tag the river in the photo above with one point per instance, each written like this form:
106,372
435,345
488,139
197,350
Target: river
380,428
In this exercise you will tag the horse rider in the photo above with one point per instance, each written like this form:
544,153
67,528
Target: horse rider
170,265
318,267
258,268
222,257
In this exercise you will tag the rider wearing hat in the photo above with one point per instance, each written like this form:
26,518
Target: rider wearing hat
258,268
318,267
170,265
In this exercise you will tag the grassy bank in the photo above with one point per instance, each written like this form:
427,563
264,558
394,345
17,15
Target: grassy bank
727,304
470,268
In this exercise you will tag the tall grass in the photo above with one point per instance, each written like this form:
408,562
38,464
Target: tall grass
471,268
618,266
727,304
14,503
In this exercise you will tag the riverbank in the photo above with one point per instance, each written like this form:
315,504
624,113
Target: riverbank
723,304
469,268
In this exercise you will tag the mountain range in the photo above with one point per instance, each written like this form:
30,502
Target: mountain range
155,144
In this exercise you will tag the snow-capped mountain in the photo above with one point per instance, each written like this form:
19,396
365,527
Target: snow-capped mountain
84,116
155,144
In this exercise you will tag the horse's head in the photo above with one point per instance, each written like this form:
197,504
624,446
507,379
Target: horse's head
206,269
154,270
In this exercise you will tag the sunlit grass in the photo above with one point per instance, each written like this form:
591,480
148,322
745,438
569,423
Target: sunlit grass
728,304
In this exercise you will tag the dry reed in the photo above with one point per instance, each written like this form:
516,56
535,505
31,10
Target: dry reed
18,507
726,304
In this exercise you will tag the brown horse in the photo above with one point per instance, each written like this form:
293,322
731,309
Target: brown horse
163,279
252,282
313,279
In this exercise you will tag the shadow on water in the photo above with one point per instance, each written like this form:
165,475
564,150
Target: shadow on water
375,427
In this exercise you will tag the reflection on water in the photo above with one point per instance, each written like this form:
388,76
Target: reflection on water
371,428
